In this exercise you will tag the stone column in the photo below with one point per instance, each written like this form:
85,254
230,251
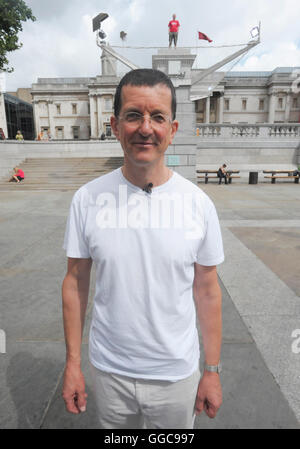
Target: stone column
207,110
109,64
50,118
93,118
221,108
3,123
271,115
287,107
99,121
185,114
36,117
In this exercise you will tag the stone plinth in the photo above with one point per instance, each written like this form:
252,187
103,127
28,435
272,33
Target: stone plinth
181,156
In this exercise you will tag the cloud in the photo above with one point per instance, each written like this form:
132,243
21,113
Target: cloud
136,10
52,10
284,55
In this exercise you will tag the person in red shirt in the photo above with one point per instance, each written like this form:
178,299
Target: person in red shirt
173,30
18,176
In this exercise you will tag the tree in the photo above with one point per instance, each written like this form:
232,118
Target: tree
12,14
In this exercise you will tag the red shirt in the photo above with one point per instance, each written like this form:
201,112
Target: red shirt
20,173
173,26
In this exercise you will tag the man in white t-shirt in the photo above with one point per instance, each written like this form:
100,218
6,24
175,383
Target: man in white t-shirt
155,240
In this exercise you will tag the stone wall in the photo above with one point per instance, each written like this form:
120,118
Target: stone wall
181,156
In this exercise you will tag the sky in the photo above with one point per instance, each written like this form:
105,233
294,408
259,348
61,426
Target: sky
61,42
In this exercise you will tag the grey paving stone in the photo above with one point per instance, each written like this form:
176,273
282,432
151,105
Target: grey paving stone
251,397
58,418
29,374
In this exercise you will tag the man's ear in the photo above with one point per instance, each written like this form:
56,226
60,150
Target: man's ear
114,126
174,125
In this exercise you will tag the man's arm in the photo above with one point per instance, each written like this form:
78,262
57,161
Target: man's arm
75,292
208,300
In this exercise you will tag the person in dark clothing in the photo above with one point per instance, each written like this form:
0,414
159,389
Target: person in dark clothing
222,174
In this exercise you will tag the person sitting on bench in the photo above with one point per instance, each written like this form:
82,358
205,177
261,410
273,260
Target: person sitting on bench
222,173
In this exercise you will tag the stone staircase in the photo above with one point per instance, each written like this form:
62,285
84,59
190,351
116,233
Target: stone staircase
60,173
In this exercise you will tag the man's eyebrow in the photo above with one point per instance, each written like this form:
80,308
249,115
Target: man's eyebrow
135,109
158,111
132,109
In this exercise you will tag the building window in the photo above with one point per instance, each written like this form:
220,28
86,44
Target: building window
58,109
261,105
200,105
75,132
59,131
19,116
244,105
89,108
295,103
74,108
107,130
226,104
280,103
213,103
108,104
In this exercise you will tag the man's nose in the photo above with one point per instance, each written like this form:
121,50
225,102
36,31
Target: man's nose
146,127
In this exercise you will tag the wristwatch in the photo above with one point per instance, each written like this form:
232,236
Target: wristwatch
213,368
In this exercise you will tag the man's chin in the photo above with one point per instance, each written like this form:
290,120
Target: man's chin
141,159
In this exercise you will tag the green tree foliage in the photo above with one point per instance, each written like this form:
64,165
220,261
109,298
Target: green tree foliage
12,14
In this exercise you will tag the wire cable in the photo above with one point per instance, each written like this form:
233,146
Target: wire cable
192,47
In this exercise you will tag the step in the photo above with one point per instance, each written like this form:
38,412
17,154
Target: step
60,173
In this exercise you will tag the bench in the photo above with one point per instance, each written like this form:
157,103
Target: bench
273,178
209,174
282,174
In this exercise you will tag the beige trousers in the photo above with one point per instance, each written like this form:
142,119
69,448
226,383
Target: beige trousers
129,403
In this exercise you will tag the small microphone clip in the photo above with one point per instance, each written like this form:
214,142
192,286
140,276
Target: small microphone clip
148,188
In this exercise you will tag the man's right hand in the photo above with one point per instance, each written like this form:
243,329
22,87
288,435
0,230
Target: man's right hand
74,393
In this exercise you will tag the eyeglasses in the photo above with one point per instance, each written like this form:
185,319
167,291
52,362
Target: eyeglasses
137,119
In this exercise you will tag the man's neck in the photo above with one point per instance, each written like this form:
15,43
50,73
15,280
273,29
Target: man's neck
142,176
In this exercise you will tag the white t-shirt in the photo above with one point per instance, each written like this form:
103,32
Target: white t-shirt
144,247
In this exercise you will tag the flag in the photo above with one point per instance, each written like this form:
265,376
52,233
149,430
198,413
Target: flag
123,35
203,36
254,32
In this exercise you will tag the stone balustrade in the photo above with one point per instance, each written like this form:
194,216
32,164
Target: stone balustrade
284,130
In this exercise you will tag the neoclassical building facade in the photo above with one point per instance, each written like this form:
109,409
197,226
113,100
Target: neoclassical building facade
253,98
80,108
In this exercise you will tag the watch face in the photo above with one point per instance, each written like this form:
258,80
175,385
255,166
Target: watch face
213,368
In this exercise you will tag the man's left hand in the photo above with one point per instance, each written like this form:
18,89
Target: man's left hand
209,395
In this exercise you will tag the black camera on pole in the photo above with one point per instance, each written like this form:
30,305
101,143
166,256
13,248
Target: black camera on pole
97,24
